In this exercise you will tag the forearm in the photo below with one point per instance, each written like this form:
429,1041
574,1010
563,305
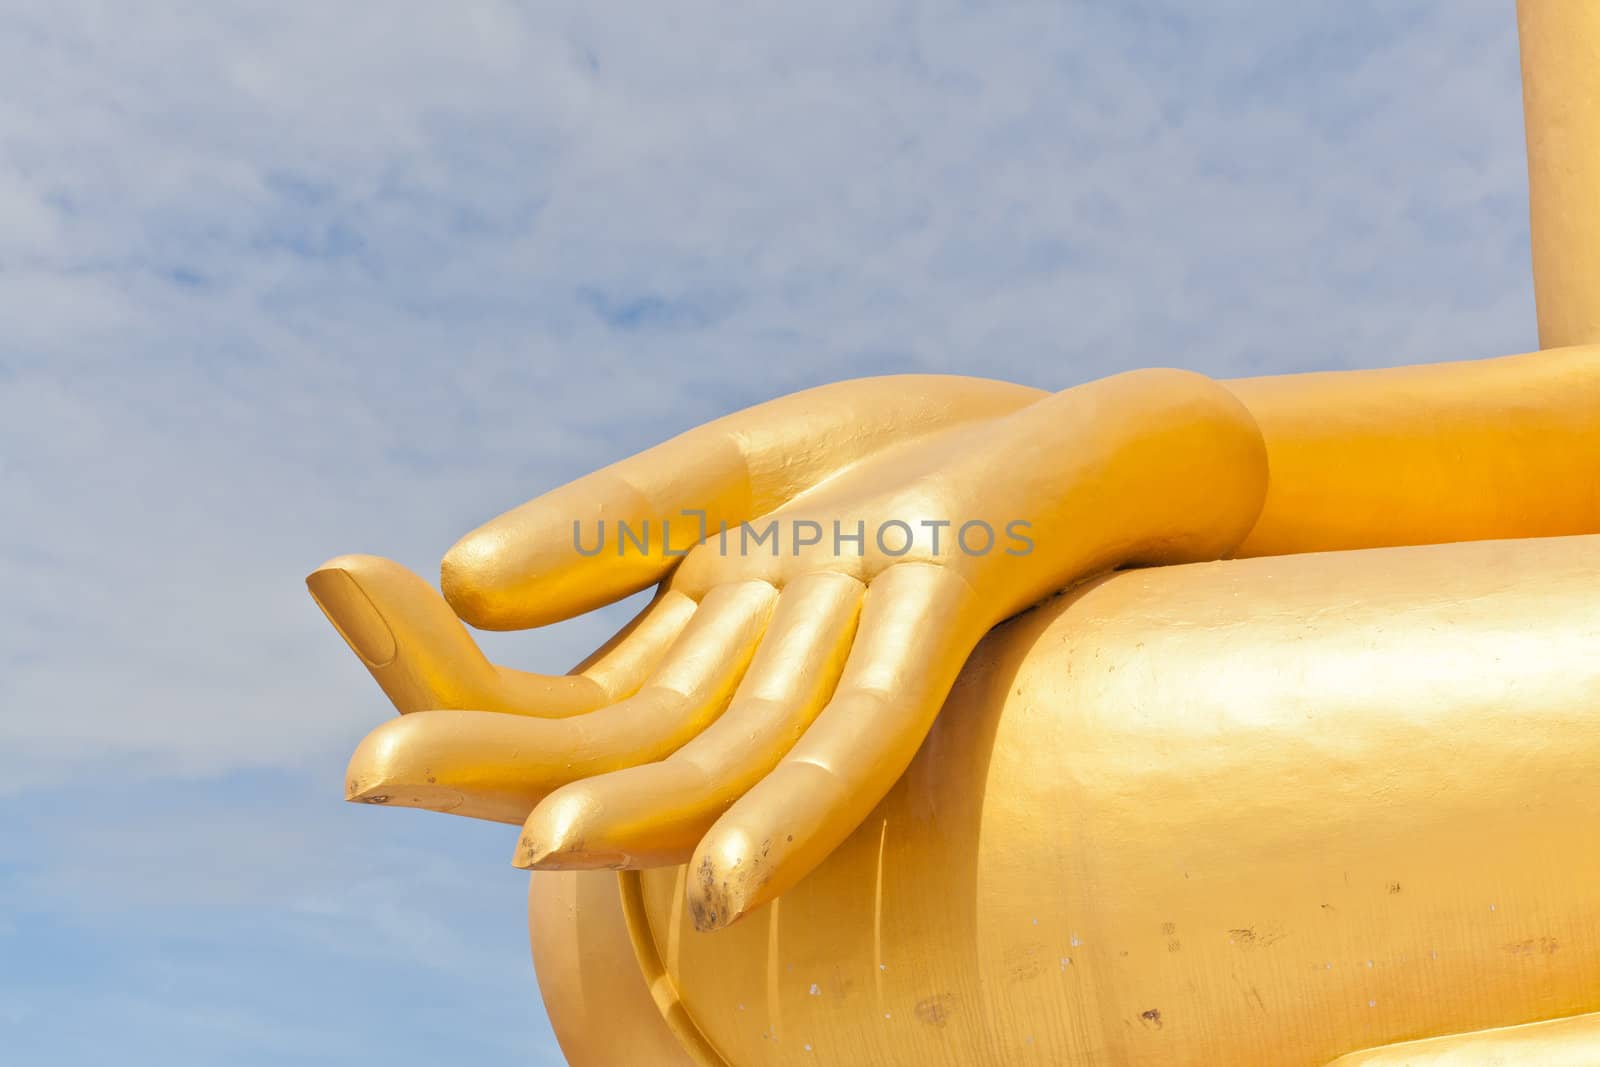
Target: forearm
1506,447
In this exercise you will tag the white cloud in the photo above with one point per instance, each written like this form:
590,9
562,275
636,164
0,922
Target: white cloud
288,280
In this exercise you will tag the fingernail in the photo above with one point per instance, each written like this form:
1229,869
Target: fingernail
353,614
534,857
403,795
552,832
530,856
725,879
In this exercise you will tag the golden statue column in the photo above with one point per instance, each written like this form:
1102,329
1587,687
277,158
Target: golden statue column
1560,87
1055,773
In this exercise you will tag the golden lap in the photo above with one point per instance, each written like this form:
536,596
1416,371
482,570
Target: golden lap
1256,812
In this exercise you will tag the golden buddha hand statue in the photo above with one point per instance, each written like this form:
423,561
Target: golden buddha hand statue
775,689
1222,833
822,587
790,666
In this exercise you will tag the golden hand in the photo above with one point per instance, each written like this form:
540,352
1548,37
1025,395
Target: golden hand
784,686
521,569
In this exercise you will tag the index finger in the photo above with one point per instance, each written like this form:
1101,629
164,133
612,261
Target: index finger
621,529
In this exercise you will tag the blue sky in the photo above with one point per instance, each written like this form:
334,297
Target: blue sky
280,281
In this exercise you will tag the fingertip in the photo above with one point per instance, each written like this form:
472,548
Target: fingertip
490,587
533,566
379,772
338,591
378,757
470,576
771,838
726,876
553,836
404,795
349,561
